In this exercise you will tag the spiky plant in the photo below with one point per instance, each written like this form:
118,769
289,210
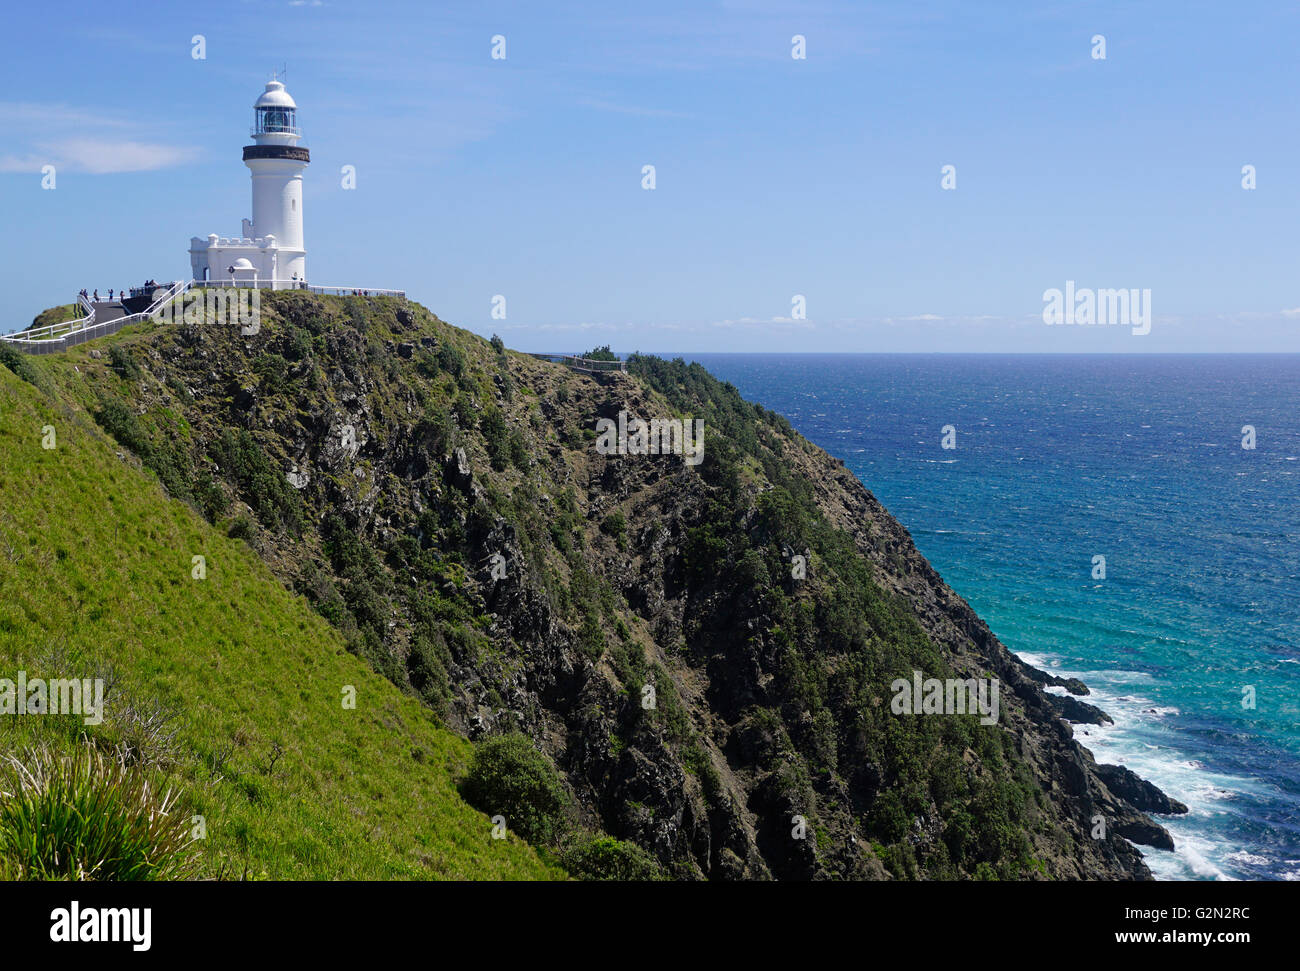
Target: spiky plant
85,816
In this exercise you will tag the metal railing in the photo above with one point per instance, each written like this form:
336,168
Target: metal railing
88,330
585,364
299,285
259,284
53,338
53,330
357,292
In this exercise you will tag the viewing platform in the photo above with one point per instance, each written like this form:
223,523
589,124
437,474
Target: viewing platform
584,364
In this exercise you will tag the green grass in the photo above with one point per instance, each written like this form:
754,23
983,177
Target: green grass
228,689
57,315
88,816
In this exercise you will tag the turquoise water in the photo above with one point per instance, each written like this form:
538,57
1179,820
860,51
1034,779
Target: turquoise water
1138,459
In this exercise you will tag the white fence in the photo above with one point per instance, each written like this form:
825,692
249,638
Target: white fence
298,285
54,338
586,364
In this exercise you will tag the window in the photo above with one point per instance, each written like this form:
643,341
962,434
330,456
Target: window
275,120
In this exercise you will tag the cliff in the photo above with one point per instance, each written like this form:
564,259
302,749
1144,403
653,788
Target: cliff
441,501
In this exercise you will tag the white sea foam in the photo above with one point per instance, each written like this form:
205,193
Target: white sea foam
1241,856
1140,740
1188,862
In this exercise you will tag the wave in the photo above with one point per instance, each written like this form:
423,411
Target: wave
1141,739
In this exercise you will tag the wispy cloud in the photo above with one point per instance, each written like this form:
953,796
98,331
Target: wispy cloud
601,105
56,134
100,156
21,114
786,323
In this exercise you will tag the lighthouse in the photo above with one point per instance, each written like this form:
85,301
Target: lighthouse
269,252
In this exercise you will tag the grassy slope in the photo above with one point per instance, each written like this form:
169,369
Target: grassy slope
56,315
95,567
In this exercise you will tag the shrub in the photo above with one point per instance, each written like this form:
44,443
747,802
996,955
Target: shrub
242,528
120,421
889,818
272,370
591,639
511,778
24,367
427,668
426,365
121,361
605,858
451,360
87,817
519,450
496,436
260,484
614,525
142,734
212,501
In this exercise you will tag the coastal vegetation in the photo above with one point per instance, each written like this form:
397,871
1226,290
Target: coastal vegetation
639,668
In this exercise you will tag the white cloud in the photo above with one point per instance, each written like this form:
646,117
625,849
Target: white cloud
101,156
31,164
29,113
80,140
758,322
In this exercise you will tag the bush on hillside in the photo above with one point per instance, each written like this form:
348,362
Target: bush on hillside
260,483
120,359
451,360
496,436
426,666
509,777
605,858
24,367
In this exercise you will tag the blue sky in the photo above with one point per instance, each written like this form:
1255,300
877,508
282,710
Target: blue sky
775,176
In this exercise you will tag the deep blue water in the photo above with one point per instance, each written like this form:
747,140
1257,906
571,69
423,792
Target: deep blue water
1135,458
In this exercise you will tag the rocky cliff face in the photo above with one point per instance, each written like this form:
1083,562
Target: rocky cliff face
705,651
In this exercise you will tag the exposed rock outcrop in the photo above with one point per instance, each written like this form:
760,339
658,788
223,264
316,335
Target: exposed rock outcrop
639,618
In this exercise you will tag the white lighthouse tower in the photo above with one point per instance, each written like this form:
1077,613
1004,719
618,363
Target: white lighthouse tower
269,252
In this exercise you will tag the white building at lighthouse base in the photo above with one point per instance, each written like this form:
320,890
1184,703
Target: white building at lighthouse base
259,260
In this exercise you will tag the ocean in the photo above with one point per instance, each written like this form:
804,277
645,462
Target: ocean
1191,641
